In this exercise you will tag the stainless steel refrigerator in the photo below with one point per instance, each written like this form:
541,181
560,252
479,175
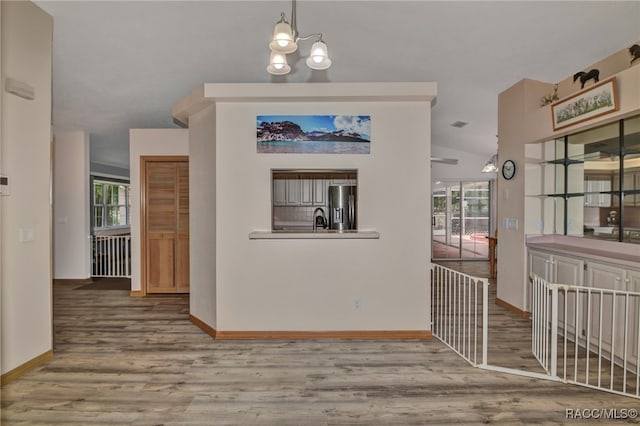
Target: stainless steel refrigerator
342,207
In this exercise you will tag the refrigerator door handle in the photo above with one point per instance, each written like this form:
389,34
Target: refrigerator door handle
351,211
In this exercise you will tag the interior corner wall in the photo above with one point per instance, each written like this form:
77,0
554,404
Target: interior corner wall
148,142
203,216
312,285
25,262
71,205
512,107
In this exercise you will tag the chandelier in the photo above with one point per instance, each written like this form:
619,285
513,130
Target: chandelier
285,41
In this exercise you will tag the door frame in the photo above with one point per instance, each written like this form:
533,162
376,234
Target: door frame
144,159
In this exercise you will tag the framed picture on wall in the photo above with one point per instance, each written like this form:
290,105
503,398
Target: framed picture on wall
587,104
313,134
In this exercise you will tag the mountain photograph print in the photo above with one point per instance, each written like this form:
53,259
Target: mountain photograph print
313,134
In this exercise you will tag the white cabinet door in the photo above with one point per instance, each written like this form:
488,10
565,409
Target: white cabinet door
294,193
567,270
319,192
539,264
610,278
632,283
306,192
279,192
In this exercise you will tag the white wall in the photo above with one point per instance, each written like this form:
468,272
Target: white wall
469,165
203,216
148,142
26,330
310,285
71,204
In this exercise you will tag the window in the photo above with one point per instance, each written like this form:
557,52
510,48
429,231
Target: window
111,204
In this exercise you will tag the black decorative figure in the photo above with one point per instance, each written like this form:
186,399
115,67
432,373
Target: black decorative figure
586,76
635,52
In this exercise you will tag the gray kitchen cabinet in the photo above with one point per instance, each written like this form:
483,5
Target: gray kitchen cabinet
299,192
279,192
294,192
319,192
306,192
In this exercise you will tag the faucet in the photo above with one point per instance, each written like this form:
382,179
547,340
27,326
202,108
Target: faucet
321,218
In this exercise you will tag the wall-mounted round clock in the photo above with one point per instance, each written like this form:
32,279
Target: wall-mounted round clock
508,169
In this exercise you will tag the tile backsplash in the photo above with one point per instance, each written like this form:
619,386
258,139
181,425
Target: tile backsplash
298,217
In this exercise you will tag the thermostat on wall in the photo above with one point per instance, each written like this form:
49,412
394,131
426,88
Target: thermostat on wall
4,185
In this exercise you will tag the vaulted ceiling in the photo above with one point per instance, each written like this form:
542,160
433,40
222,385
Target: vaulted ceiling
121,65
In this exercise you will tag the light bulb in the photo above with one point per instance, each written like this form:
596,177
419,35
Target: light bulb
283,40
278,64
319,58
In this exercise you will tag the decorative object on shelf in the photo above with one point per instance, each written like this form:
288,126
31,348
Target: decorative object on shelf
585,105
508,169
313,134
586,76
285,41
492,165
635,52
549,98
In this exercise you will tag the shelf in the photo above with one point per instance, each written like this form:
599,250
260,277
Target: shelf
310,235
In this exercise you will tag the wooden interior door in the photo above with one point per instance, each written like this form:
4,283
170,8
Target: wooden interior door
166,225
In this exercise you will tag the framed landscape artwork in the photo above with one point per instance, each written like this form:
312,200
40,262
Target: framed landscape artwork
595,101
313,134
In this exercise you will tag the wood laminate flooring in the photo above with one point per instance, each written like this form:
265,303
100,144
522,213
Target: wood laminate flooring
139,361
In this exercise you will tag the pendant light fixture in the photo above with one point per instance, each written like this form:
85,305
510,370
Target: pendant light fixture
285,41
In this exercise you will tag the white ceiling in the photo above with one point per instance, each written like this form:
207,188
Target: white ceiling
119,65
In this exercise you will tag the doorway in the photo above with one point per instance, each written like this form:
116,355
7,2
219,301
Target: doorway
165,224
460,220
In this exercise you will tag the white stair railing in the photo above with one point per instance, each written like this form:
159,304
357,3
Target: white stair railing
111,256
587,336
459,313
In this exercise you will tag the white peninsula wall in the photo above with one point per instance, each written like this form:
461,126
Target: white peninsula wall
244,288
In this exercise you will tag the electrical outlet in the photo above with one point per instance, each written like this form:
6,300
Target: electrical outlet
357,303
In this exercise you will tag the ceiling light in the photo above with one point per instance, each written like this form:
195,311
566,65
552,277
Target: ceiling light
285,40
459,124
278,64
319,58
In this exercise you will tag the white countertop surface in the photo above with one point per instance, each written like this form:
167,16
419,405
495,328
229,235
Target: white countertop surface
311,235
623,254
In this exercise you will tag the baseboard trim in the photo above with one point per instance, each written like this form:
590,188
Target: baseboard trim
136,293
10,376
510,307
203,326
314,335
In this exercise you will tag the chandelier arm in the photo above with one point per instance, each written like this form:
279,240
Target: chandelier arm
307,37
294,24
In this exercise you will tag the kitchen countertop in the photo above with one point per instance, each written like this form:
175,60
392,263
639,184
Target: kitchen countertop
313,235
624,254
